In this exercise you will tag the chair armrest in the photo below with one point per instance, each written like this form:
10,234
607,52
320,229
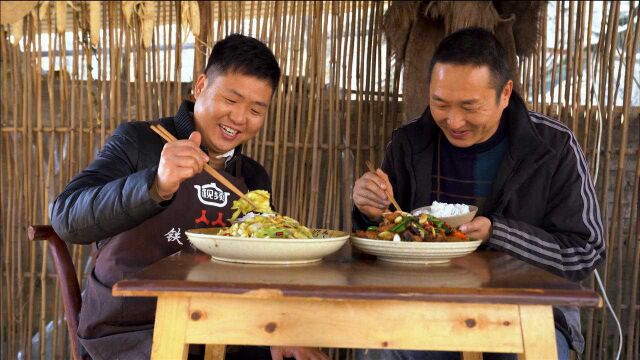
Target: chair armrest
67,277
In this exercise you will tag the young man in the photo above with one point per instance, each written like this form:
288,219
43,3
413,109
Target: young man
478,144
136,199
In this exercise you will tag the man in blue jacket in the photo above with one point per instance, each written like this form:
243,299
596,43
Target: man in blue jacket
478,144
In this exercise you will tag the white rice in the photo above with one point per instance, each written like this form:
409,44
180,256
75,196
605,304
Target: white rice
445,210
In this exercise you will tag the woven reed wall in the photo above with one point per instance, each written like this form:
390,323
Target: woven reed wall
335,108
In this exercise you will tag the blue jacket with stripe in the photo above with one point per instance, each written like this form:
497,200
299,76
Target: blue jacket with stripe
542,206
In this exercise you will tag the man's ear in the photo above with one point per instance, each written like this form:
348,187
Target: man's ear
200,85
506,94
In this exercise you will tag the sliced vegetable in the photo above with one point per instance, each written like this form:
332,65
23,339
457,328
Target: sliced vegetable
400,227
260,198
459,235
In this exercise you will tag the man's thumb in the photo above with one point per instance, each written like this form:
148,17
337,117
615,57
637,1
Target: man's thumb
195,137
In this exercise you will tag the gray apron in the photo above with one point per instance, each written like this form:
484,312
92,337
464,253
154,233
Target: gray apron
122,327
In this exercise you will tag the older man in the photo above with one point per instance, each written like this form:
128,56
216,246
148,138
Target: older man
478,144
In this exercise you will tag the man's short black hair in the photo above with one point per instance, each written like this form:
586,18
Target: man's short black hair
244,55
478,47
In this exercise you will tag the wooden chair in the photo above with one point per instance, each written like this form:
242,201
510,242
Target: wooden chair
66,274
70,288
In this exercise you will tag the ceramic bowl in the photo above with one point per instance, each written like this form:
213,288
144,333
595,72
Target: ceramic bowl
453,221
267,251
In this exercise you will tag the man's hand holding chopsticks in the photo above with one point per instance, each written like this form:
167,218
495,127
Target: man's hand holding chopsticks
369,194
180,160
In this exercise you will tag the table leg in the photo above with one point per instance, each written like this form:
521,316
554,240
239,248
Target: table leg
170,327
538,333
214,352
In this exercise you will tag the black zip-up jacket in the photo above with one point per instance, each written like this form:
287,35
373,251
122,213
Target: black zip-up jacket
542,205
112,194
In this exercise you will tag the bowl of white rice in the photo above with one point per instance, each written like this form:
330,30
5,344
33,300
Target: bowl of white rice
453,214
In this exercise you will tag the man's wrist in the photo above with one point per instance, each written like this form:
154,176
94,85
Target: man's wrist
155,195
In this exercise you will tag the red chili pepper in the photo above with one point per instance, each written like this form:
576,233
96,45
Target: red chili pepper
459,235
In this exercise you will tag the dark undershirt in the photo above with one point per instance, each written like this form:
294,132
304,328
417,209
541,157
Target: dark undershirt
465,175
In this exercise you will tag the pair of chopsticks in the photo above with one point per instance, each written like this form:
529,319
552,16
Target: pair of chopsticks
168,137
388,191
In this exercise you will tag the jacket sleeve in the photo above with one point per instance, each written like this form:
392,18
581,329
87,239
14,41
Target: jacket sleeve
570,240
108,197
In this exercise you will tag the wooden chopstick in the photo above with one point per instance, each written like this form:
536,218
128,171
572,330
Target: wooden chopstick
168,137
388,191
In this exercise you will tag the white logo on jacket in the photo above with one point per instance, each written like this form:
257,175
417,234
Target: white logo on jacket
212,195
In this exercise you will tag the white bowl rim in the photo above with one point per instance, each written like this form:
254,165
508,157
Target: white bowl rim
410,244
342,236
423,210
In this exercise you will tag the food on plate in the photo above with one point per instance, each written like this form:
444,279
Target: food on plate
274,226
263,222
262,200
402,226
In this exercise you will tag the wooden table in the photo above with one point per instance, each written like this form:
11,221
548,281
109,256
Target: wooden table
484,302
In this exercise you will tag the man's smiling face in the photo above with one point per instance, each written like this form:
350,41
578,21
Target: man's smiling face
463,103
230,109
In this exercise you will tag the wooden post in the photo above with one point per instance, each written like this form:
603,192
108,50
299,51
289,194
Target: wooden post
200,54
170,328
538,334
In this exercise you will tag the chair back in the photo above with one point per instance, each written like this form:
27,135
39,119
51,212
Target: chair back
66,274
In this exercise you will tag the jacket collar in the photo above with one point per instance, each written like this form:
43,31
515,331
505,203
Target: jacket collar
525,142
527,151
184,120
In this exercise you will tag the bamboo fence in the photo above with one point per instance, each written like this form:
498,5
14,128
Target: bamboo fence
336,106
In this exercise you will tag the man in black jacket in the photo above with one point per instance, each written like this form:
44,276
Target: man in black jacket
136,199
478,144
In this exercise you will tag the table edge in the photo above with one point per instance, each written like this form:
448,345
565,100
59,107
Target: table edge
140,288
